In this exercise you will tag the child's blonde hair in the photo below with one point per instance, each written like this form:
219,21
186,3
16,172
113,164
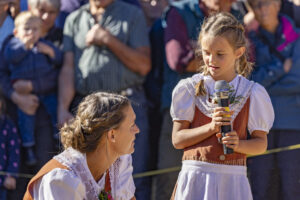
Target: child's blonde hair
225,25
24,17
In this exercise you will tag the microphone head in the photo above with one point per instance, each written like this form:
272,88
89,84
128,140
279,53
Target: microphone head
221,86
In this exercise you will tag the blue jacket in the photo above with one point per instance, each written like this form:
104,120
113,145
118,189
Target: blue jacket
283,88
20,63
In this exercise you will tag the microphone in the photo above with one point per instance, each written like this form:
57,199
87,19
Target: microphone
222,96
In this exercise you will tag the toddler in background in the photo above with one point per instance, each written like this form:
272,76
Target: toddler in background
32,61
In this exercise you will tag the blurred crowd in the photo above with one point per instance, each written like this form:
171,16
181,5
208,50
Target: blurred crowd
55,52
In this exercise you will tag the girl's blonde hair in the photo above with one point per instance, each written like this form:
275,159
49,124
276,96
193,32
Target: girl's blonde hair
97,113
225,25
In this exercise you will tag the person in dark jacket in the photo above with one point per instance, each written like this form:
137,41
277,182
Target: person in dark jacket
35,61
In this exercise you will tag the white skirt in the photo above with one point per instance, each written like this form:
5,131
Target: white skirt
206,181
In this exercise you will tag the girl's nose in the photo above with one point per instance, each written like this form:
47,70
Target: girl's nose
211,59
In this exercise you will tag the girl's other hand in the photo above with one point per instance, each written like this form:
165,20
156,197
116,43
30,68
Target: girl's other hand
220,118
231,140
10,183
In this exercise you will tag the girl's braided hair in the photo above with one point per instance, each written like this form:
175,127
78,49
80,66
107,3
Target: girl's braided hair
225,25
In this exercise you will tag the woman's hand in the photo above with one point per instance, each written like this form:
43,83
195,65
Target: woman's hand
231,139
220,118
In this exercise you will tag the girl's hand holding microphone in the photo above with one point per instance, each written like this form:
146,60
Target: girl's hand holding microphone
221,117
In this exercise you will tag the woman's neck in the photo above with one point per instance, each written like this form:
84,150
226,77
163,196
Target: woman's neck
100,160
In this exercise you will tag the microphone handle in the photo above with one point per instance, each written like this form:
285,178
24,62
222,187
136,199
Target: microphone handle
225,129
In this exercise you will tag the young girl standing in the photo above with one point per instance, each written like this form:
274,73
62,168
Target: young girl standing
207,173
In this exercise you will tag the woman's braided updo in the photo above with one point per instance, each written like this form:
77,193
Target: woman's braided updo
97,113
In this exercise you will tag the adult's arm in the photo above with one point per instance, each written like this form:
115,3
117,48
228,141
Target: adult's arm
66,89
266,73
179,51
15,51
290,83
137,60
135,53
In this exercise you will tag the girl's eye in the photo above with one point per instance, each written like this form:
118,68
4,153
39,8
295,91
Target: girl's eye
220,54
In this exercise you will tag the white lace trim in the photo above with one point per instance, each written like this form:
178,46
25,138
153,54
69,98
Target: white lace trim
76,162
244,88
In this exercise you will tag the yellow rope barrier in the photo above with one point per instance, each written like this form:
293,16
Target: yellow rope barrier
174,169
168,170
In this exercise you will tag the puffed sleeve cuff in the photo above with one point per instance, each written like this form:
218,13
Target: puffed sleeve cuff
261,113
125,186
59,184
183,103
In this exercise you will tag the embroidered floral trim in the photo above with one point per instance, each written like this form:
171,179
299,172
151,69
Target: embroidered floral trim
76,162
105,195
238,98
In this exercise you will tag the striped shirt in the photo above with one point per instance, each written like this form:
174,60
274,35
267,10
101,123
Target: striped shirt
96,67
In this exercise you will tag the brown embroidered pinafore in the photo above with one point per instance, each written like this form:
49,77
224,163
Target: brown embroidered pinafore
49,166
210,150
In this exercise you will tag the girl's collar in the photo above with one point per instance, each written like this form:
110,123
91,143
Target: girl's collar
209,79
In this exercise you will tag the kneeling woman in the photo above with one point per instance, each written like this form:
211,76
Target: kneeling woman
94,164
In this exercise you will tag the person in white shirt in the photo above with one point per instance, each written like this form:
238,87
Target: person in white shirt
96,163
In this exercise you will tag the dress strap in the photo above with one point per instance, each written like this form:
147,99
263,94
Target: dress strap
49,166
107,186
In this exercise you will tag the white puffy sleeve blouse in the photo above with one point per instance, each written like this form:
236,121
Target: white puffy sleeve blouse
64,184
261,113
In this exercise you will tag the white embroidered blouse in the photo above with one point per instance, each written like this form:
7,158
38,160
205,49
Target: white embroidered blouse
77,183
184,100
